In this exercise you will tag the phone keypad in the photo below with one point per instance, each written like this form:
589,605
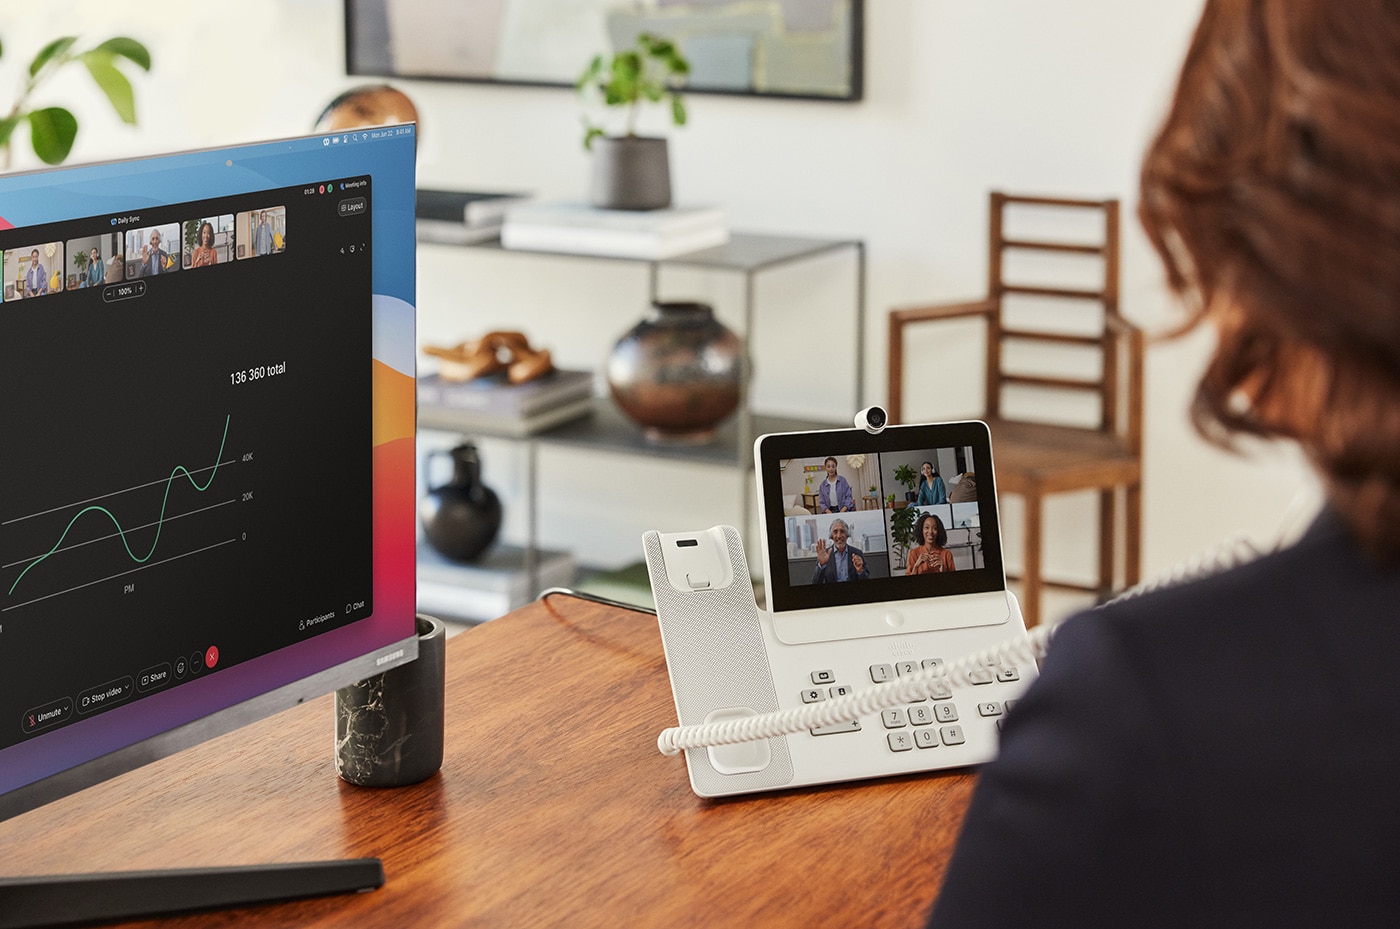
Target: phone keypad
918,725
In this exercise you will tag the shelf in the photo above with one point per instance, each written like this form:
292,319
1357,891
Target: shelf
608,428
503,578
745,251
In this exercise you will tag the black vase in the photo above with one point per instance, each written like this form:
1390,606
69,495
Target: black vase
460,518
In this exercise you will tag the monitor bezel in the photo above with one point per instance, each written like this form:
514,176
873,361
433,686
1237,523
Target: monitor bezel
393,323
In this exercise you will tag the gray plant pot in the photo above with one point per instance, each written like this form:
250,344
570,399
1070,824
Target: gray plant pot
631,173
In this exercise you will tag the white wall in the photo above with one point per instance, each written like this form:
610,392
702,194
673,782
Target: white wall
961,96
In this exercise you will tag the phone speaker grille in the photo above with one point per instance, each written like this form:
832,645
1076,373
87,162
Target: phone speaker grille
716,658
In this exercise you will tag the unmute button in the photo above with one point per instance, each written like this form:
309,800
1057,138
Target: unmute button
50,714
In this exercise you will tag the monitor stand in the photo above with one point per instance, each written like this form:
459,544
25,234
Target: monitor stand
61,900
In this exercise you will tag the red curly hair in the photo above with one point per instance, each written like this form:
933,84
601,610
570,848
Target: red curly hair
1272,194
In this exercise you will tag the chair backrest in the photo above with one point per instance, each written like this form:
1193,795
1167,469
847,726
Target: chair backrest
1081,321
1097,354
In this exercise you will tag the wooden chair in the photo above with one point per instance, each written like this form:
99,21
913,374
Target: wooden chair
1037,458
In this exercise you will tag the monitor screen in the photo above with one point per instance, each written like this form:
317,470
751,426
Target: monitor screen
207,474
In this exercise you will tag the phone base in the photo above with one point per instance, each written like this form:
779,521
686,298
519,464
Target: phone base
726,662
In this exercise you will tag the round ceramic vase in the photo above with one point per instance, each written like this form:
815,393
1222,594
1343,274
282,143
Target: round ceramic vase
676,373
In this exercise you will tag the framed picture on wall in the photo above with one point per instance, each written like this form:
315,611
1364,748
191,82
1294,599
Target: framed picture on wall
810,49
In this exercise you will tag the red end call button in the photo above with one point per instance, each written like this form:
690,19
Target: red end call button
211,656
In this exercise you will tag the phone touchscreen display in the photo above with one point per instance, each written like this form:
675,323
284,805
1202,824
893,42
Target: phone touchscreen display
854,517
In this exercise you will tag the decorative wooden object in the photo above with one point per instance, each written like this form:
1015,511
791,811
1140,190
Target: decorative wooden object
494,352
1036,459
553,808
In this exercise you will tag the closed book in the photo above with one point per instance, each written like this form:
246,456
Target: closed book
513,427
578,228
471,208
447,233
609,243
494,394
577,215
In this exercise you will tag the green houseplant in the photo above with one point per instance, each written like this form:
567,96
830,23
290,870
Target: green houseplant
902,523
52,129
907,476
632,172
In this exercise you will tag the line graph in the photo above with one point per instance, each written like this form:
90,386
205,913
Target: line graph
121,533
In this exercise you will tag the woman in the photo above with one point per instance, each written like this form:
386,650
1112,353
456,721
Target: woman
204,253
92,276
932,555
1224,752
932,490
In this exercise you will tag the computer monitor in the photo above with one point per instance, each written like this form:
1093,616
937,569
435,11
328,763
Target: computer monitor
207,466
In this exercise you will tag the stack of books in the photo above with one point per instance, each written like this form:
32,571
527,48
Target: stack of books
577,228
490,586
459,217
493,405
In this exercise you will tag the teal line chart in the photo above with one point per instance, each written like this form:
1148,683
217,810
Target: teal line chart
121,532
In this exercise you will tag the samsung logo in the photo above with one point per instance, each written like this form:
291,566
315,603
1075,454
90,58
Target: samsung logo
385,659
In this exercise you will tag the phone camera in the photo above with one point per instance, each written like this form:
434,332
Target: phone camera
872,419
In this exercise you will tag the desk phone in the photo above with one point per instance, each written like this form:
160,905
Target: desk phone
893,576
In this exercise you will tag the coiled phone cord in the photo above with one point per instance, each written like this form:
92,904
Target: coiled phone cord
930,682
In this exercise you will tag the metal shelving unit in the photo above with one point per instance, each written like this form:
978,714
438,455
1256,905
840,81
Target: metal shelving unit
607,429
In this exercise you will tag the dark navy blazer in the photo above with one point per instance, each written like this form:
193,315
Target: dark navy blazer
1223,753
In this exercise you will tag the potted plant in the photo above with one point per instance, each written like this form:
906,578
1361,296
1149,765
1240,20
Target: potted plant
902,532
632,172
52,129
907,476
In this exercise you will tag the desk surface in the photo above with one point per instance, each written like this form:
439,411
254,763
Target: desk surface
553,808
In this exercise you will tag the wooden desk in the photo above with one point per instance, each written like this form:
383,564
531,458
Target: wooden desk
553,808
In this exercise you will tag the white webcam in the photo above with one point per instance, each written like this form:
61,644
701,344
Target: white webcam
872,419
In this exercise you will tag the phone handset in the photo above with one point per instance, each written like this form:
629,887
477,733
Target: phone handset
932,682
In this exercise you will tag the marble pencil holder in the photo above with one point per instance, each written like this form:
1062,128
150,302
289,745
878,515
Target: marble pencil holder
388,728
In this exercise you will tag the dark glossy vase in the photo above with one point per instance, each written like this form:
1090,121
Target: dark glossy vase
677,372
460,518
